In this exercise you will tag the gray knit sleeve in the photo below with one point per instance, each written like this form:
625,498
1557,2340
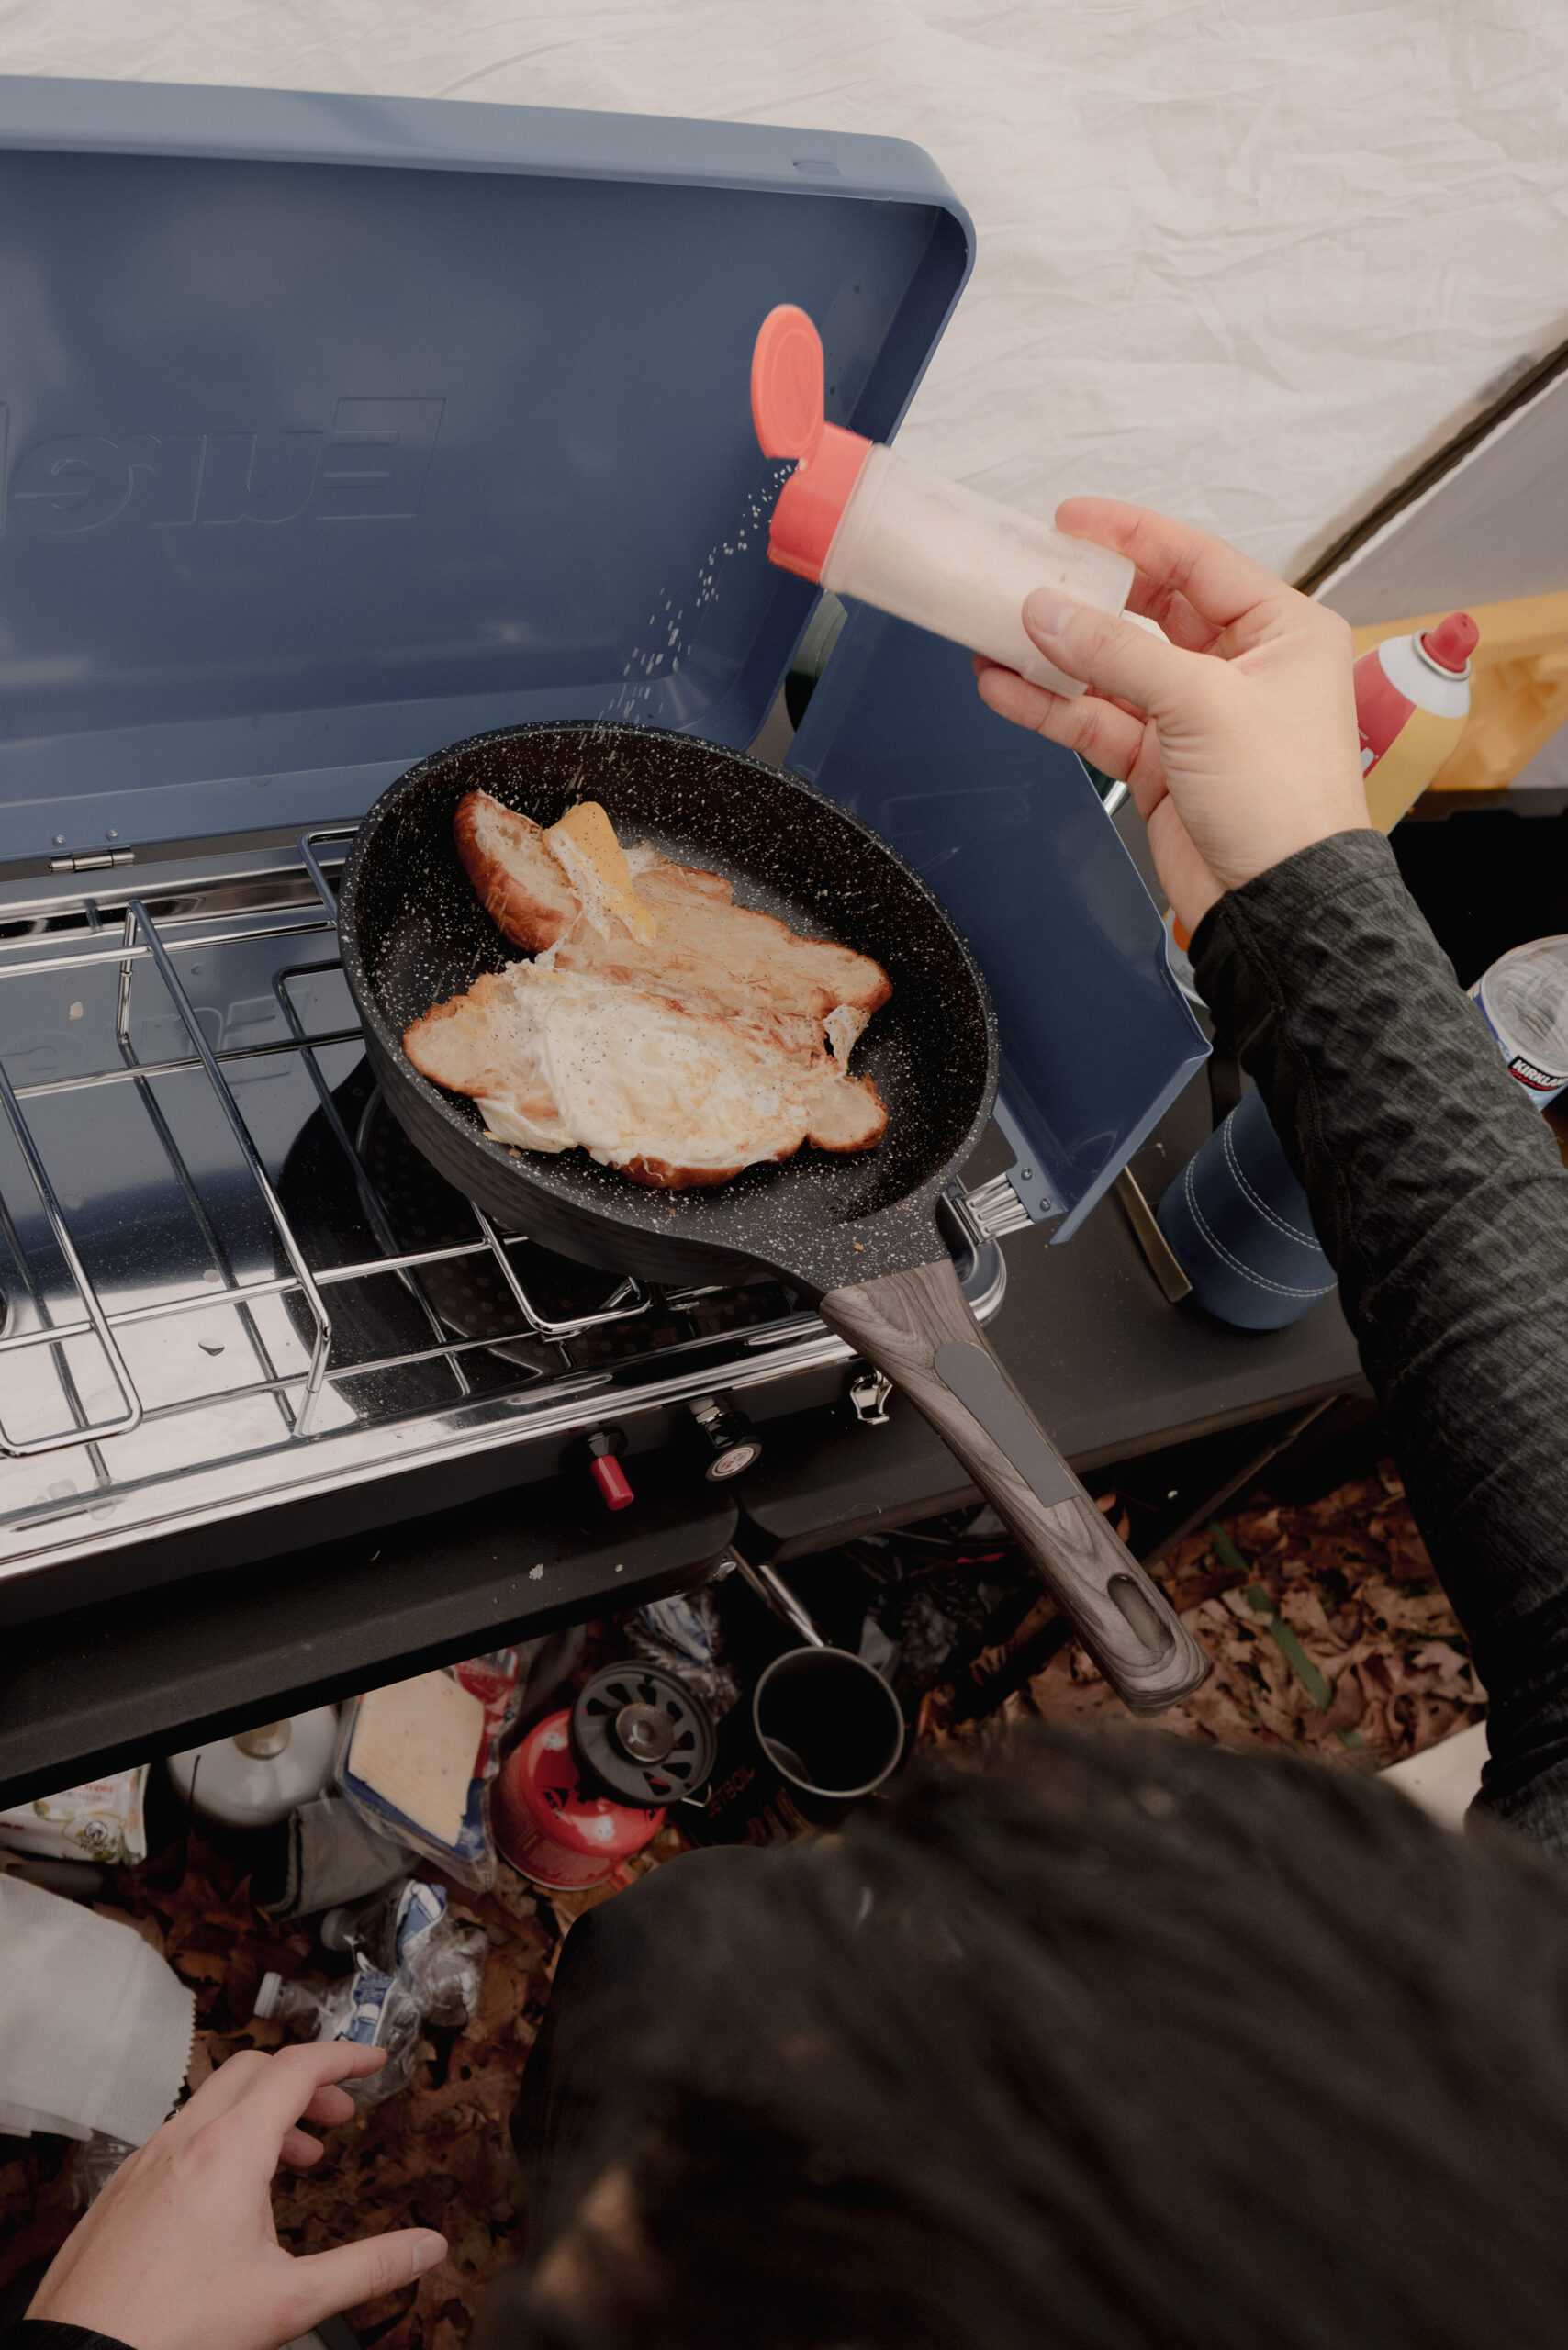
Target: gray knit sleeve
1439,1194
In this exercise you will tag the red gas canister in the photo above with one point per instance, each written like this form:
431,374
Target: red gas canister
588,1786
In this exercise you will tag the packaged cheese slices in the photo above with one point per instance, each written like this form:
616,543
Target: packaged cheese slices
416,1760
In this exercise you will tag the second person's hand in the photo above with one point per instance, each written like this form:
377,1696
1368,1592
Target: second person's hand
179,2252
1237,738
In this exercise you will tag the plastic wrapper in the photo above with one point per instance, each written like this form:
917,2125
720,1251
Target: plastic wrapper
102,1820
409,1930
416,1760
368,2007
683,1633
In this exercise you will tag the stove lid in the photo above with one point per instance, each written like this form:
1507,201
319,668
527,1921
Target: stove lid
335,428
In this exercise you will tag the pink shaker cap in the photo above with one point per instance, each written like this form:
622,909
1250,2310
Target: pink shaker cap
787,409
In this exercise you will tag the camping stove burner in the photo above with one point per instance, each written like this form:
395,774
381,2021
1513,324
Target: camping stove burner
473,1298
232,1283
528,1306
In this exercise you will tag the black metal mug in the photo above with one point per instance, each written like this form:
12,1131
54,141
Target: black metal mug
825,1720
830,1725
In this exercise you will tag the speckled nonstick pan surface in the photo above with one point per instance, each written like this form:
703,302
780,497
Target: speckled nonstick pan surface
414,934
856,1233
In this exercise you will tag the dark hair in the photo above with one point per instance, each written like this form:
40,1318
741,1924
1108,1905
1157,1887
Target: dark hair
1113,2042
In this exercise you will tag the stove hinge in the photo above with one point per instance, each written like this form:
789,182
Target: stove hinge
870,1395
92,860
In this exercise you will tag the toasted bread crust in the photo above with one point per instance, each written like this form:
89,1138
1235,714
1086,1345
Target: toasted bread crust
658,1175
734,959
528,898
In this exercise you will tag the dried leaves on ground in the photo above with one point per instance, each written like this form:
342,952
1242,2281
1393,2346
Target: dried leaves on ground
1328,1631
1329,1635
438,2155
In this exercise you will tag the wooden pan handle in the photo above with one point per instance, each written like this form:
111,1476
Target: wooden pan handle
917,1329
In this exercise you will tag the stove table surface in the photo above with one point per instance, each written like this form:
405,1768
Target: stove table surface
1112,1369
161,1670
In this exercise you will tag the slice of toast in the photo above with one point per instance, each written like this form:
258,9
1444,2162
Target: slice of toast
525,892
718,956
674,1097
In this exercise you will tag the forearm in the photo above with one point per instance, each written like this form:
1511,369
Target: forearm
1440,1198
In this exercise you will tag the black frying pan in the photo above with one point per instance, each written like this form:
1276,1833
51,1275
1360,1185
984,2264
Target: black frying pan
857,1233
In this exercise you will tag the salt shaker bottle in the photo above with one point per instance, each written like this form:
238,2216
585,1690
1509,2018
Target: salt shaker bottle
865,522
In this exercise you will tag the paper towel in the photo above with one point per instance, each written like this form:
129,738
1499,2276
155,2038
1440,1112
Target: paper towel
95,2028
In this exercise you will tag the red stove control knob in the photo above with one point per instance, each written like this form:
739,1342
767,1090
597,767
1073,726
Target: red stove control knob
614,1487
610,1478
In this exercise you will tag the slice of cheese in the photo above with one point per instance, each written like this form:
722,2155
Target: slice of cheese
584,845
417,1746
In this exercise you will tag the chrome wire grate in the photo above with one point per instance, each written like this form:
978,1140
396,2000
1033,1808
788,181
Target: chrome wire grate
140,944
229,1281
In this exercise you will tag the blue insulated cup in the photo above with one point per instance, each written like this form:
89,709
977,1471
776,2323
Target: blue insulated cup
1239,1226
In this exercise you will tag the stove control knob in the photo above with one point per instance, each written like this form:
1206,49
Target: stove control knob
731,1441
604,1468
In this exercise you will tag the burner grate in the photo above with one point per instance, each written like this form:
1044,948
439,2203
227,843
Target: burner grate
226,1274
140,941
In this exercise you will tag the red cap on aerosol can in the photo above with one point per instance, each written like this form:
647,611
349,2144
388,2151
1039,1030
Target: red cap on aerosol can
1452,643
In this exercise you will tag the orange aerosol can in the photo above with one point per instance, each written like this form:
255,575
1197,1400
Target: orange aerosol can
1412,699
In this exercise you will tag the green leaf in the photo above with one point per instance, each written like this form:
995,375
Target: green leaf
1225,1551
1289,1648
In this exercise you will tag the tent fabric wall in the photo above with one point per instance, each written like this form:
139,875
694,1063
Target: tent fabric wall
1244,260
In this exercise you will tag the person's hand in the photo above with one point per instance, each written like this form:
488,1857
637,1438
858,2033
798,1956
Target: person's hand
1236,739
179,2252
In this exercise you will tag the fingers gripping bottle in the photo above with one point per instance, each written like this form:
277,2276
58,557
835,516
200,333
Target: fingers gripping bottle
865,523
1412,700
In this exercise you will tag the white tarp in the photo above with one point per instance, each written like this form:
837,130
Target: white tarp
1245,260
